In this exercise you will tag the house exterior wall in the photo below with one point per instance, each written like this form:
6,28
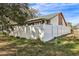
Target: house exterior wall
57,20
54,20
63,22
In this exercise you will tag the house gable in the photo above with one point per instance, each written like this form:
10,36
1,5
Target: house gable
61,20
54,19
58,19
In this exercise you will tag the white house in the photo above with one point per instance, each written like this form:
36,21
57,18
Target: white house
52,19
43,27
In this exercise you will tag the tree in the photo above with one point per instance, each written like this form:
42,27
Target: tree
18,13
34,12
70,24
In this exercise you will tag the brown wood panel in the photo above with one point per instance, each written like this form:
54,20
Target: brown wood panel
60,20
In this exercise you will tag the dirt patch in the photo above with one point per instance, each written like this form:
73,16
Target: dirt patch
76,33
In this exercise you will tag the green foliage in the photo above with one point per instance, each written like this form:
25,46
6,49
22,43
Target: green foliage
11,14
63,46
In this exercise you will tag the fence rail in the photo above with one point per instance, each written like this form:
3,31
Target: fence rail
44,32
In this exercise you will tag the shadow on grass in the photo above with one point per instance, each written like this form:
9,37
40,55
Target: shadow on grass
63,46
38,48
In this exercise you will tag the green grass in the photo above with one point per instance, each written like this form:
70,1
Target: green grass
63,46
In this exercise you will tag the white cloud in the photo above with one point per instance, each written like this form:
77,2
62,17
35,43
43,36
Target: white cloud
70,10
74,20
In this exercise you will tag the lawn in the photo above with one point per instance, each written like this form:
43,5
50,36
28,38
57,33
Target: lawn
62,46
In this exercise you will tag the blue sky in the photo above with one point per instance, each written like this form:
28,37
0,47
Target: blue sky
69,10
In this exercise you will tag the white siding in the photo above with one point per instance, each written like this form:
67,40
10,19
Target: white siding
54,20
